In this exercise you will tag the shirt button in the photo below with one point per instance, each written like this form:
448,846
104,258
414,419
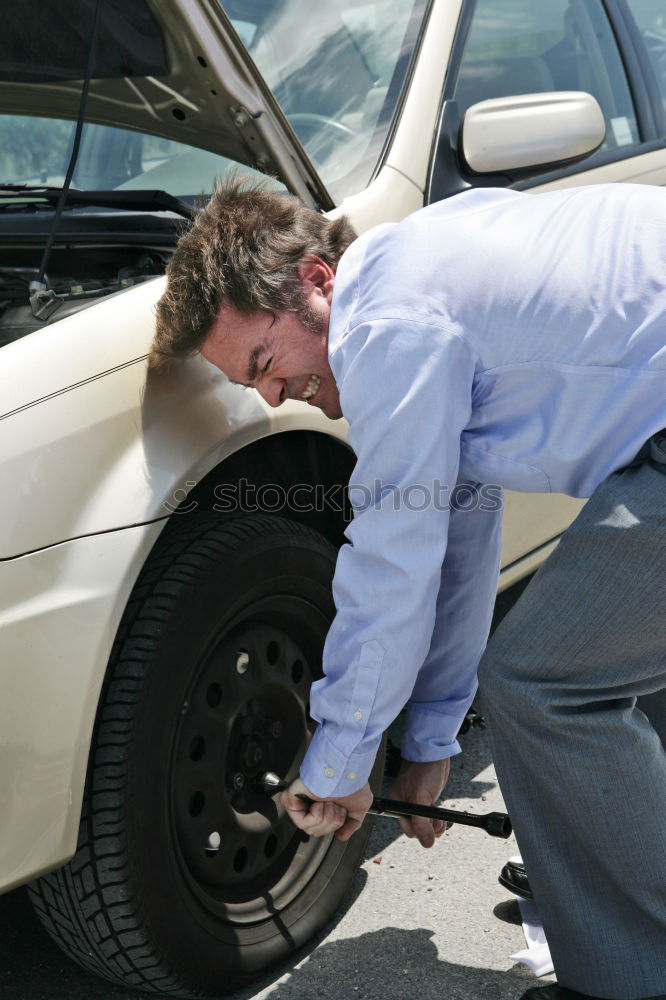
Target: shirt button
351,775
358,716
329,772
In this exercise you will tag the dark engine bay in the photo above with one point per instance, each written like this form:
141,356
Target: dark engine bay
77,277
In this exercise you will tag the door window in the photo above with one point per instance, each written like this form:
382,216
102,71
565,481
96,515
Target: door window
650,17
522,47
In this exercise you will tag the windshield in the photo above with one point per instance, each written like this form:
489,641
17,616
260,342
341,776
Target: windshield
37,151
336,69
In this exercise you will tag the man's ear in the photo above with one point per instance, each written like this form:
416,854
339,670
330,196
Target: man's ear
316,275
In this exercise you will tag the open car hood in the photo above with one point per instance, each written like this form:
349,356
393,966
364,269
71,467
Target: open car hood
171,68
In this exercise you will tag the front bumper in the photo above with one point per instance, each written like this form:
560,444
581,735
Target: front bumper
59,612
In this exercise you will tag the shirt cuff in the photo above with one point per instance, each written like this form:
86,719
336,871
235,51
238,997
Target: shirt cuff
330,774
431,729
420,752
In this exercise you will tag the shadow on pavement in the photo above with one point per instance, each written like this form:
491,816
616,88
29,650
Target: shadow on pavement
390,964
394,964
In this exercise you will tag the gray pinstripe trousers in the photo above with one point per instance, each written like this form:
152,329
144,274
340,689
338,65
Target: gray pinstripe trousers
582,770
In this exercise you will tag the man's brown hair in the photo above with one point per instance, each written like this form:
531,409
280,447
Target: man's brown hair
243,248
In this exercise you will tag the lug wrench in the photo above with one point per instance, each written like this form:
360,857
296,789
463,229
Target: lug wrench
496,824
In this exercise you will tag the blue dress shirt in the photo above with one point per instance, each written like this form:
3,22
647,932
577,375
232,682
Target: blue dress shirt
496,339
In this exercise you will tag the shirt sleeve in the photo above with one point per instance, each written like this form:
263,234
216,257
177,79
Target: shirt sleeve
406,390
446,683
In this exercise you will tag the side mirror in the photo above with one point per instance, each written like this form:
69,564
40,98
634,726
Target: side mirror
531,130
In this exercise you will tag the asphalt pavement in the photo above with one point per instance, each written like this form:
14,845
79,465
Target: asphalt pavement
430,924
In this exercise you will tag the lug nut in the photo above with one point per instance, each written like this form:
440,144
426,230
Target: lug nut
252,754
242,661
238,780
276,730
214,842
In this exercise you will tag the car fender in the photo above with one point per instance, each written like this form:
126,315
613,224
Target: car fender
103,443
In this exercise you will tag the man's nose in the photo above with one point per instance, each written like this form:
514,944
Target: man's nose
274,391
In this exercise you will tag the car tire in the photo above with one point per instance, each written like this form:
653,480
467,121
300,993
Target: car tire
188,880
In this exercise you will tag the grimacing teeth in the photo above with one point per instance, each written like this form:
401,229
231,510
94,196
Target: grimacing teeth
312,386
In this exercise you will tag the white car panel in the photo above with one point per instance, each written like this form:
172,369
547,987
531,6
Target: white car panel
644,168
392,193
412,145
60,609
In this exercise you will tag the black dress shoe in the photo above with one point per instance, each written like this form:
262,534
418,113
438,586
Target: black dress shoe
514,878
555,992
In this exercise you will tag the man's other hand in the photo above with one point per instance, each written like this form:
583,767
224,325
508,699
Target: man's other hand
421,783
320,817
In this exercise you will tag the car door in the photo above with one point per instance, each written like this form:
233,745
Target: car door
614,50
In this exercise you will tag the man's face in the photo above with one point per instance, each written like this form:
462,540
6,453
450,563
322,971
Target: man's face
282,355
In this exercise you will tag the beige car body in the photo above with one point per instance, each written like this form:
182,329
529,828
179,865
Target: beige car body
96,456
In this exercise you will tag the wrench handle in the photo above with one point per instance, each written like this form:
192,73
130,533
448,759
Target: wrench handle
496,824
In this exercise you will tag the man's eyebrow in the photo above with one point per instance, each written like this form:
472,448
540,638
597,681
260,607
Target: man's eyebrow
252,363
251,368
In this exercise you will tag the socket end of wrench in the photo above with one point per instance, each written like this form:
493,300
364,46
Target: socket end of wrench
271,784
498,825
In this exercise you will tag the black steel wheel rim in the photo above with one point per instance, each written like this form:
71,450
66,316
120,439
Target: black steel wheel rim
246,712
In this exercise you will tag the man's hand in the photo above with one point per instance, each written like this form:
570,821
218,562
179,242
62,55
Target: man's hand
341,816
421,783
